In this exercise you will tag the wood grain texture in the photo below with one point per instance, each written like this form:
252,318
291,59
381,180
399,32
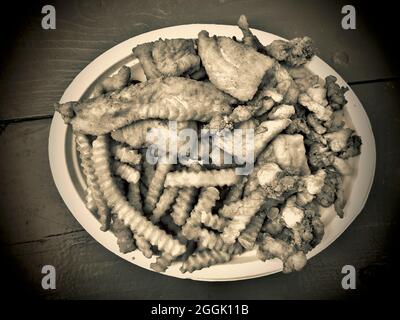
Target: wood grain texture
39,230
40,64
30,206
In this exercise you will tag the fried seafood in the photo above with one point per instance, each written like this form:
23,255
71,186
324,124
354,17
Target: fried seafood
172,98
233,67
169,57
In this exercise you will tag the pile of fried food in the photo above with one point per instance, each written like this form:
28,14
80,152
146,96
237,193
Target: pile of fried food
201,215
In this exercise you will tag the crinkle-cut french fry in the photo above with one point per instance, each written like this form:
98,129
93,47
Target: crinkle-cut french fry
129,215
89,201
162,263
206,202
204,259
164,203
183,204
249,236
210,240
143,246
172,227
123,234
134,197
233,249
125,154
115,82
213,221
236,191
209,178
156,186
148,170
84,147
126,172
244,210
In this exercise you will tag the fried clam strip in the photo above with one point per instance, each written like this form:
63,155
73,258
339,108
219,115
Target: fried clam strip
144,53
173,98
213,221
248,38
128,214
143,245
209,178
183,204
85,152
124,235
241,212
205,259
167,198
126,172
249,236
126,155
162,262
156,186
206,202
264,133
291,259
115,82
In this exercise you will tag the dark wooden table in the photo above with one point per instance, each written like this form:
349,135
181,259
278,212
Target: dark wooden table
36,227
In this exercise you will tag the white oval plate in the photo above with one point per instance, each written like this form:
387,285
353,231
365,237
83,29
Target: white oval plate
70,183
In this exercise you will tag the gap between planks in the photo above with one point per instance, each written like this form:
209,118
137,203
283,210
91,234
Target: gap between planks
5,122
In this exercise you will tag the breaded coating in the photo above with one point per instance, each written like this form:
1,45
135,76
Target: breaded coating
233,67
249,39
169,57
115,82
294,53
276,248
171,98
335,93
175,57
144,53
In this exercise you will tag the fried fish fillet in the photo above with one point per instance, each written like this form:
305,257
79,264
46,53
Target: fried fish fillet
174,98
233,67
169,57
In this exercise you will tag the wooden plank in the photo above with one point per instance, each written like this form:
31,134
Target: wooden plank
86,270
42,63
31,208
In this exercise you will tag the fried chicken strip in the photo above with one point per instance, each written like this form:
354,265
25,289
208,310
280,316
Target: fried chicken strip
233,67
172,98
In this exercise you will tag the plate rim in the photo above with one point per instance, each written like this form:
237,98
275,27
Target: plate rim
94,70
